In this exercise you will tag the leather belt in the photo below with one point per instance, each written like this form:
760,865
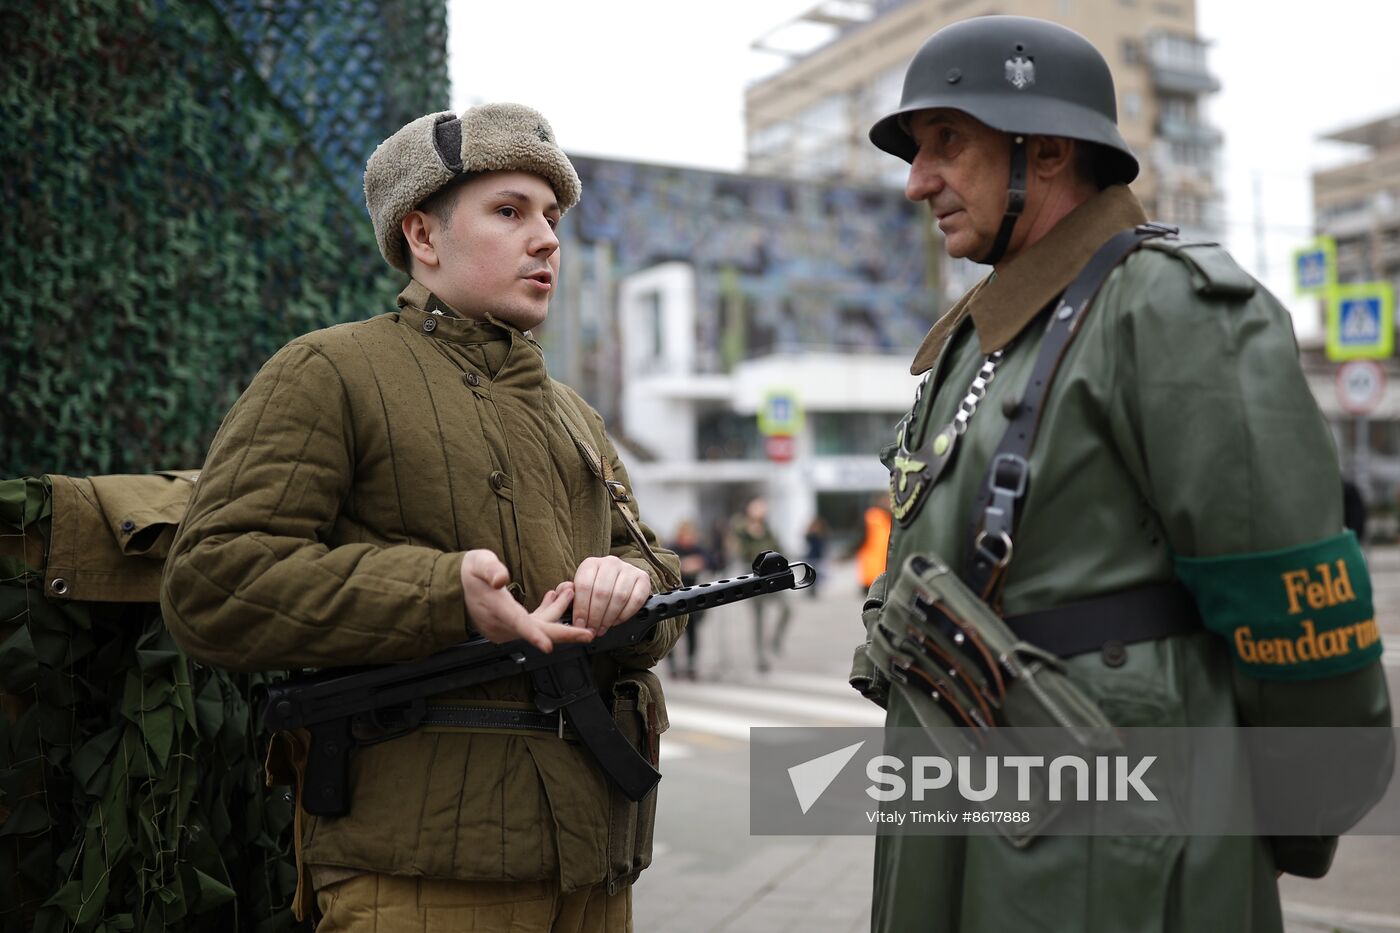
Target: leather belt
1107,623
492,717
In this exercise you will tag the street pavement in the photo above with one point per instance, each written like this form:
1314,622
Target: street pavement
710,874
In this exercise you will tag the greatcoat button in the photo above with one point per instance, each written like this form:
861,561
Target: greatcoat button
128,526
1115,653
498,479
472,379
429,325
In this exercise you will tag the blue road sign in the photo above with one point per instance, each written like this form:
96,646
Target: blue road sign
779,413
1361,321
1312,269
1315,266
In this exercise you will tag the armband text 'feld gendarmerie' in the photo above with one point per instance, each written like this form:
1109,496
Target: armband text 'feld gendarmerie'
1301,613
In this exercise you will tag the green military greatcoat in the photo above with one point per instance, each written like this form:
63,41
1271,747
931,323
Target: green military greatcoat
1179,426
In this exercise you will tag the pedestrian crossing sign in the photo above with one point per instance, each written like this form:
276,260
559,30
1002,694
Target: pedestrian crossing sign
1361,322
780,413
1315,266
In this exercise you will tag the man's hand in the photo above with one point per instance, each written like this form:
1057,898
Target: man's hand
607,590
495,613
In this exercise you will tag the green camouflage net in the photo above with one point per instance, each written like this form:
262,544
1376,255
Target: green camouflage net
131,790
181,188
182,193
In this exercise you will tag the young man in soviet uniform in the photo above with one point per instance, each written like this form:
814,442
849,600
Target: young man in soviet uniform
387,488
1178,446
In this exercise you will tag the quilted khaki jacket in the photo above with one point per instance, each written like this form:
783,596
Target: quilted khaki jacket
327,529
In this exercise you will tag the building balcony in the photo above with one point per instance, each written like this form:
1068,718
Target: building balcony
1192,132
1180,80
1380,213
1178,65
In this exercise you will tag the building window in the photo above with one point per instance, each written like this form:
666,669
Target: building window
770,140
1132,52
886,90
826,118
1185,210
726,435
655,322
1178,51
843,433
1178,109
1132,105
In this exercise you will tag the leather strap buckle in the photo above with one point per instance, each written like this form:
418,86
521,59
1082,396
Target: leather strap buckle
991,556
1010,474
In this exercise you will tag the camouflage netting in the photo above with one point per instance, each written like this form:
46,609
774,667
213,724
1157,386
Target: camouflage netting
181,189
181,183
131,790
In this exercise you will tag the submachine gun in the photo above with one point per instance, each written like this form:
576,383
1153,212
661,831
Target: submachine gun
343,708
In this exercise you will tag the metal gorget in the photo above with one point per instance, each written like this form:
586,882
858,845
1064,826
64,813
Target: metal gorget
913,477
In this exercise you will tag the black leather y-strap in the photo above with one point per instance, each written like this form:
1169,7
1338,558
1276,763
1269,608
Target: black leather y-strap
994,514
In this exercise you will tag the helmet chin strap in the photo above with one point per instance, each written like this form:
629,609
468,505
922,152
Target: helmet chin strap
1015,201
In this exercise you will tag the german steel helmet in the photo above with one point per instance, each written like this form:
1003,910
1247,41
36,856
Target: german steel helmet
1017,75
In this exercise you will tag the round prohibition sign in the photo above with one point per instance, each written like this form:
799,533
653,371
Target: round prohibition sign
1360,385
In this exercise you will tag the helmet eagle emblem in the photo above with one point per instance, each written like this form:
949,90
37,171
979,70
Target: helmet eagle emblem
1020,71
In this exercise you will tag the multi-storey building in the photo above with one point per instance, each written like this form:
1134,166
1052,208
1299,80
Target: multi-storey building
810,118
1358,204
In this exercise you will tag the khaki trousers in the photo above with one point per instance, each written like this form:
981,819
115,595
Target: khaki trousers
394,904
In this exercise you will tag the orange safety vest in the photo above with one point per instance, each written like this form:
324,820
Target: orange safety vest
870,559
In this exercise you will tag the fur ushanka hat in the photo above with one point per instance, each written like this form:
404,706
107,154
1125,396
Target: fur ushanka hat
431,151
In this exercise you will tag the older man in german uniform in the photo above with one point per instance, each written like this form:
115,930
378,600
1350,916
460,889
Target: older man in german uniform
1120,475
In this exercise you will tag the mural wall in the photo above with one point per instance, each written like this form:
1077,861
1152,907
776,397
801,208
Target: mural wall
782,265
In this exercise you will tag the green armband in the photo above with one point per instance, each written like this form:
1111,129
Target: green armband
1303,613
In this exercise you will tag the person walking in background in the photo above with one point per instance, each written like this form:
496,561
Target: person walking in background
874,547
751,536
1354,509
695,563
817,534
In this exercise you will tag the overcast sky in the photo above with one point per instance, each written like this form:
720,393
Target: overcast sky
663,82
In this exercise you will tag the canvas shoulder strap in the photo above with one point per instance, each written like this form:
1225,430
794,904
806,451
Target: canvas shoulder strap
617,494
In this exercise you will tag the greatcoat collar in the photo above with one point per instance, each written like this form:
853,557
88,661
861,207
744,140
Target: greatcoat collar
1001,305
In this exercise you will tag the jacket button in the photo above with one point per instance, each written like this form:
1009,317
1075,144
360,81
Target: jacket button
128,526
471,379
1115,653
429,325
498,479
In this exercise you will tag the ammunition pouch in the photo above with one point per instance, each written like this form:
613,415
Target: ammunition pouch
956,663
639,710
